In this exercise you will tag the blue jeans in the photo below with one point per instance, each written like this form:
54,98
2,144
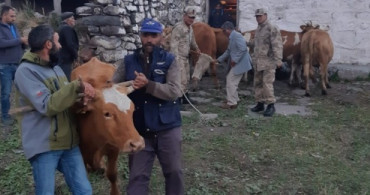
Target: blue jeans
69,162
7,72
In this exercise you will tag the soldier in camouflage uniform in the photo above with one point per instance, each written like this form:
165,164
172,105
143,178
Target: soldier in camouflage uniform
267,55
182,40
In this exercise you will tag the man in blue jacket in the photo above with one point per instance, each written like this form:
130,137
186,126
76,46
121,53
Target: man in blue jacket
239,61
11,51
156,80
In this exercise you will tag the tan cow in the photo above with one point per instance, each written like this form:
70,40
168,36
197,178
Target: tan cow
105,124
317,50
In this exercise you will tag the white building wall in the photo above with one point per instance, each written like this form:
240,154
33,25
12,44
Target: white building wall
347,22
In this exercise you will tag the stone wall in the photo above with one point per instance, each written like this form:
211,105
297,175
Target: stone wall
112,26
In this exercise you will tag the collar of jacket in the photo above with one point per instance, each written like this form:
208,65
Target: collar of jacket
34,58
5,25
264,23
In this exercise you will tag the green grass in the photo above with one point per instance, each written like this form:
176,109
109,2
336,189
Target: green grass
325,153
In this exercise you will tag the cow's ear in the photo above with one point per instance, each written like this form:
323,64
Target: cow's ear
303,27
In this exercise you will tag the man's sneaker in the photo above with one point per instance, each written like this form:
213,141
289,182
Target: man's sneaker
9,121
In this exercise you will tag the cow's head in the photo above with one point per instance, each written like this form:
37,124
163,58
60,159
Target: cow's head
109,115
309,26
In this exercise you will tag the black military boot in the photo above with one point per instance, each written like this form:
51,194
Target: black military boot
270,110
259,107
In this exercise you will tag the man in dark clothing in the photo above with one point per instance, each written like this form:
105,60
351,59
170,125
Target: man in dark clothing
156,80
11,51
216,18
69,41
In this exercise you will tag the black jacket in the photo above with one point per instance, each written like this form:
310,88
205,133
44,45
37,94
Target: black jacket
69,41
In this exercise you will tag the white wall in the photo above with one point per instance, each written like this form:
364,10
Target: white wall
347,22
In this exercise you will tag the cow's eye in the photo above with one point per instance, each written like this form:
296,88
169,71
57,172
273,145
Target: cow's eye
109,82
107,115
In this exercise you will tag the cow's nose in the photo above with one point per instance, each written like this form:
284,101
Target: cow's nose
137,145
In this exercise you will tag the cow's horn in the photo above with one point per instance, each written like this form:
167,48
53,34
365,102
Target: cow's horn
130,90
127,84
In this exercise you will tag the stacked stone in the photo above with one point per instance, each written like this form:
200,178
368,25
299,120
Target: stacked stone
113,25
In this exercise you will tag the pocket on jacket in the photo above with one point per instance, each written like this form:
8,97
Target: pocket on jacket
169,115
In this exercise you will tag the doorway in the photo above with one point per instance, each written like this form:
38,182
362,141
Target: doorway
221,11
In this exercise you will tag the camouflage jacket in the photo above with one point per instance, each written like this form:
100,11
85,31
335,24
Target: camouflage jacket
268,47
182,40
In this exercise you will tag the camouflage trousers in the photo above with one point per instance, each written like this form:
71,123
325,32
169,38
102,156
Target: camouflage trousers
264,86
184,65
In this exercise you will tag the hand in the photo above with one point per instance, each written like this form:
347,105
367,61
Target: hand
24,40
89,93
140,81
232,63
279,65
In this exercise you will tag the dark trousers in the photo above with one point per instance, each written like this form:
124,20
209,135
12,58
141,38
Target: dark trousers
166,145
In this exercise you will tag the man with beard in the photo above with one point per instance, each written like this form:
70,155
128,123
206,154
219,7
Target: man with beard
49,136
11,51
69,41
156,78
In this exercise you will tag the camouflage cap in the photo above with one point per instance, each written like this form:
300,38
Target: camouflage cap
190,11
260,12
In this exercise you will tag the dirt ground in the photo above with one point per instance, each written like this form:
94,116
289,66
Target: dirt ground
342,92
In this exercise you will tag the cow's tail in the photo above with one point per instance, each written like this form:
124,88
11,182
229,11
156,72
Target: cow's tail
312,55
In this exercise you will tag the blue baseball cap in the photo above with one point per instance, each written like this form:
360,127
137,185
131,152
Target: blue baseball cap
150,25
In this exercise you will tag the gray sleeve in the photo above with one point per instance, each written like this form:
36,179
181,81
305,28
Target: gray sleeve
171,89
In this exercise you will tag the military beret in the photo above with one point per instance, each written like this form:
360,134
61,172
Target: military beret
66,15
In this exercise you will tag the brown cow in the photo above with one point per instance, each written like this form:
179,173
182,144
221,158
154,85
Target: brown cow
206,41
317,50
222,41
106,125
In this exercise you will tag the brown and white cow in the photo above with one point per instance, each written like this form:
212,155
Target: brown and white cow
317,50
291,52
106,125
